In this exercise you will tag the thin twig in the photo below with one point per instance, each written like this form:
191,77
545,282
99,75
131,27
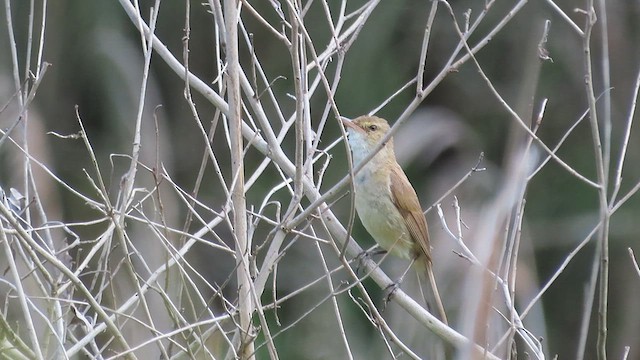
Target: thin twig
635,262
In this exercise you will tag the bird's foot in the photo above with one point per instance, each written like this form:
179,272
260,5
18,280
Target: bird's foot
367,255
389,293
391,290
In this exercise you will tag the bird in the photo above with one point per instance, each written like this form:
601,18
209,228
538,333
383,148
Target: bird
385,200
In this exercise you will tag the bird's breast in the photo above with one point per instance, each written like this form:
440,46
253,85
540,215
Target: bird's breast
379,214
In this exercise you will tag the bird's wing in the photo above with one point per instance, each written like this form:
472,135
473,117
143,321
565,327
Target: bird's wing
410,210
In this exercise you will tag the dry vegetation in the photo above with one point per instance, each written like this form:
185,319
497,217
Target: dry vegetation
175,183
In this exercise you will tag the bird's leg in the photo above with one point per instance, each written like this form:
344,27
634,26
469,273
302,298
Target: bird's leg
391,289
367,254
374,251
407,270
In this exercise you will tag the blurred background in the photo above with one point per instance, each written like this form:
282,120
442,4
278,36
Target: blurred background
96,64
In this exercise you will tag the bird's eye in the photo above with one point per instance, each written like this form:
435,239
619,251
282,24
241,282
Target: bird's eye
373,127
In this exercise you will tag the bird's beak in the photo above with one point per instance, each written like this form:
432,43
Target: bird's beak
349,124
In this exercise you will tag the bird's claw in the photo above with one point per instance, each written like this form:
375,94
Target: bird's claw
389,292
360,259
366,255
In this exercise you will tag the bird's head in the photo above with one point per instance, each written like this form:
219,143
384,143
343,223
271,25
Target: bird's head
366,131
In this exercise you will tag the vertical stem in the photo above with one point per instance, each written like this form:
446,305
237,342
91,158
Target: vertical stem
22,295
298,65
231,13
606,84
589,296
425,46
601,169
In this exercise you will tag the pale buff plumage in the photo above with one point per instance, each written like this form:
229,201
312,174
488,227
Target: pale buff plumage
386,202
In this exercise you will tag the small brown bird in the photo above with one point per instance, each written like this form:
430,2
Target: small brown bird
386,202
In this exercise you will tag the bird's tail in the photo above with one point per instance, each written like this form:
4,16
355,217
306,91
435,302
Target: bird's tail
436,293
